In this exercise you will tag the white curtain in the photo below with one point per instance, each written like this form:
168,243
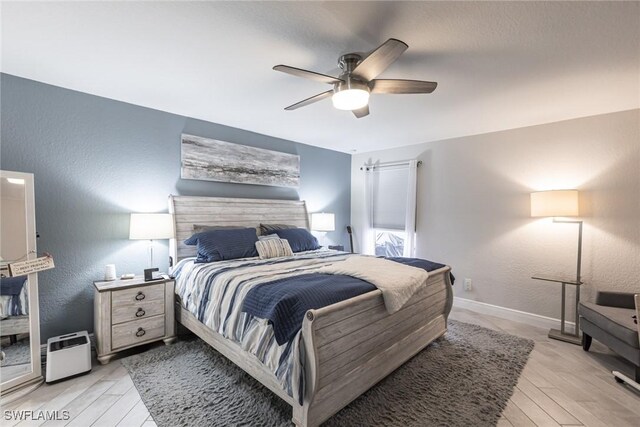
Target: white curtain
410,214
368,237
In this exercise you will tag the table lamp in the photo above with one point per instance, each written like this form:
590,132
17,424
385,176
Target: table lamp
323,221
151,226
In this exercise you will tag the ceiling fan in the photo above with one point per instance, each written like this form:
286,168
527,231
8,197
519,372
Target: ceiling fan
351,89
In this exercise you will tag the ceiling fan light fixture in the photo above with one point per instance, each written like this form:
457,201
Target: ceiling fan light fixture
350,95
351,89
350,99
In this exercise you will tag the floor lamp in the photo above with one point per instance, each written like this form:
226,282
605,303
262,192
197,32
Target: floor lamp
561,203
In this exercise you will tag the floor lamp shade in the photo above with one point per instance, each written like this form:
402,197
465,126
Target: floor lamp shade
323,221
151,226
554,203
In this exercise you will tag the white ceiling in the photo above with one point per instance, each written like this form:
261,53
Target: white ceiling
499,65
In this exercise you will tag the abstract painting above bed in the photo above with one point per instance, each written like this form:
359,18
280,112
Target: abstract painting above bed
212,160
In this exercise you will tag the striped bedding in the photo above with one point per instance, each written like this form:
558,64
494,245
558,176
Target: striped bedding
214,293
221,294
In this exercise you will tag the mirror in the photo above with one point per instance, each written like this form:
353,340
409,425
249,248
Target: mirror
19,327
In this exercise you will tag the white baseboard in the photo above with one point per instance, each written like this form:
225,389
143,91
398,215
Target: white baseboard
511,314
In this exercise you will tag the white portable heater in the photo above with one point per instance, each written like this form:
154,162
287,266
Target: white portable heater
68,356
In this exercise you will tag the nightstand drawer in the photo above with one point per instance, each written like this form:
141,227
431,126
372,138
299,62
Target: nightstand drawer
136,332
134,310
138,294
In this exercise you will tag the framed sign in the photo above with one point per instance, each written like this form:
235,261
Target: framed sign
32,266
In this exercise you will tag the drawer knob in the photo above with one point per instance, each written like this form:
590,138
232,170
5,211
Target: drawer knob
140,312
140,332
140,296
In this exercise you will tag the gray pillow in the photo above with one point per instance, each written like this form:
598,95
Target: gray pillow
271,228
199,228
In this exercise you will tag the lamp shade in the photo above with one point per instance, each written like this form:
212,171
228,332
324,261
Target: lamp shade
150,226
554,203
323,221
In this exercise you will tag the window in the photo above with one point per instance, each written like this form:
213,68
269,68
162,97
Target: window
391,195
390,243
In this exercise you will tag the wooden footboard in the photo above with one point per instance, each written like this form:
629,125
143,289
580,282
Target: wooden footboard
352,345
232,351
348,346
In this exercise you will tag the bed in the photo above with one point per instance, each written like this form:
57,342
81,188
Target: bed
14,307
346,347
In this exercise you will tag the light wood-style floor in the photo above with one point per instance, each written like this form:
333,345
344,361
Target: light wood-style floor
561,385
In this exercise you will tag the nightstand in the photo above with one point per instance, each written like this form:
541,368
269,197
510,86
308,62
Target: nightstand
128,313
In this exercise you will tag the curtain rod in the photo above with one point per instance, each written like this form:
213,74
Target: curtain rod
382,165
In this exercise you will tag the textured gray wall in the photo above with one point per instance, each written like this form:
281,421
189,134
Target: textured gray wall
474,208
95,160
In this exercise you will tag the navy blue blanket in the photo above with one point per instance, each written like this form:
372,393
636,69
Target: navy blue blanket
421,263
284,302
12,286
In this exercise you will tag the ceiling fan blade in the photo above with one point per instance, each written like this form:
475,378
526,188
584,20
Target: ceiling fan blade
311,100
306,74
402,86
361,112
380,59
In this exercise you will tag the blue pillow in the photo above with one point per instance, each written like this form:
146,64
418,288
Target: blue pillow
218,245
12,286
299,239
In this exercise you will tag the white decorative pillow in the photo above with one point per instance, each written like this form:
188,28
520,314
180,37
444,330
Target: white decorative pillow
273,248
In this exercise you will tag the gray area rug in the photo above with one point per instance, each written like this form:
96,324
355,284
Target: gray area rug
16,354
464,378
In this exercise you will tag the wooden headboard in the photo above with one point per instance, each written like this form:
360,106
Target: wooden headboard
190,210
